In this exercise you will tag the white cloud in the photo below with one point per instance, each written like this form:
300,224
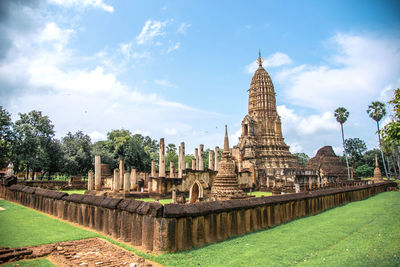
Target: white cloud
97,136
361,68
183,28
84,4
164,83
307,125
295,147
173,47
275,60
150,30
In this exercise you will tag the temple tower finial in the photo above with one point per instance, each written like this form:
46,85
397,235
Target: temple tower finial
226,140
260,59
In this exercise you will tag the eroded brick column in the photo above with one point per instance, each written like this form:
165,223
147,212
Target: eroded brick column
117,185
216,162
97,173
121,171
201,158
210,160
90,181
161,168
127,182
196,157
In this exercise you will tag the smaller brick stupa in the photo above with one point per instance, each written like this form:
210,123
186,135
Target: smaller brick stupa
377,171
226,185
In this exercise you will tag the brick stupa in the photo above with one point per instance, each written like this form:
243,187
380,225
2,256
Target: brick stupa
377,171
226,185
328,165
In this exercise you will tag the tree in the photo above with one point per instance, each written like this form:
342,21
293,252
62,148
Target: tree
51,159
77,150
341,115
355,148
391,131
33,135
376,110
302,158
6,137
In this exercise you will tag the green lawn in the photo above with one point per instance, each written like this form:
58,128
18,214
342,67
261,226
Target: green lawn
162,201
20,226
31,263
259,194
363,233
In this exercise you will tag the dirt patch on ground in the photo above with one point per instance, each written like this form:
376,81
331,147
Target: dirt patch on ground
86,252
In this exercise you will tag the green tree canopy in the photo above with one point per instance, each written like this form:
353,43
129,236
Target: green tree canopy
302,158
77,153
34,133
6,137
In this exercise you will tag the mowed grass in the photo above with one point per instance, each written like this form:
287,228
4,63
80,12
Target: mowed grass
20,226
31,263
260,194
363,233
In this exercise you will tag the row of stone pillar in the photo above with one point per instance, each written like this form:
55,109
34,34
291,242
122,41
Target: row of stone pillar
197,162
121,180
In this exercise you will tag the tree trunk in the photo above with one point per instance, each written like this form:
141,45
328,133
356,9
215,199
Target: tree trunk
383,157
345,154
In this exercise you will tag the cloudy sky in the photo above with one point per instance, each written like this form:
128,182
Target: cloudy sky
181,69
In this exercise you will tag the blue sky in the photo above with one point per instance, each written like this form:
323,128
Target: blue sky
181,69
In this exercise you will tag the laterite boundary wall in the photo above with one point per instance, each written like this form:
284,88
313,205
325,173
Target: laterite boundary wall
176,227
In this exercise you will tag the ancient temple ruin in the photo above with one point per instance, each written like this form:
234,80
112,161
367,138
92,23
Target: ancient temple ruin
226,184
261,148
328,165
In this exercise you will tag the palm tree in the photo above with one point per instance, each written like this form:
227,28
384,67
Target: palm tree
377,111
341,115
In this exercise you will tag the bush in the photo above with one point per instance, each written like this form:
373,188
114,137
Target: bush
364,171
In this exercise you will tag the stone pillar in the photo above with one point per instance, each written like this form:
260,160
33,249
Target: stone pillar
90,181
201,158
149,186
179,161
172,169
196,157
121,171
319,182
127,184
153,169
181,164
187,165
161,167
133,178
216,158
193,164
97,173
117,185
174,195
210,160
267,181
309,183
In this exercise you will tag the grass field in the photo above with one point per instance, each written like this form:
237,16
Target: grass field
20,226
364,233
259,194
